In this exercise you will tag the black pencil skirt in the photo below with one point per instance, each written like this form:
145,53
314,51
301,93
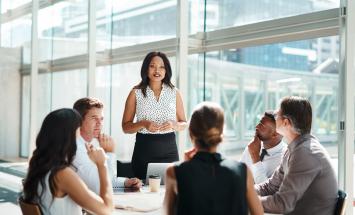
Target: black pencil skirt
153,148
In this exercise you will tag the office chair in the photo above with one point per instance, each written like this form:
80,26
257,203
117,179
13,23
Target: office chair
124,169
29,208
341,203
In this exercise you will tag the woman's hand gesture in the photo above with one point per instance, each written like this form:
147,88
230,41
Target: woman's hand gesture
168,126
151,126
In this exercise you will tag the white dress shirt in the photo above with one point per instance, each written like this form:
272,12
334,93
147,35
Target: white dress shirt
87,169
262,170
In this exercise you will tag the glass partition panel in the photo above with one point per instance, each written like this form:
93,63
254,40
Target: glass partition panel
12,4
196,16
104,23
44,97
228,13
135,21
65,34
103,92
195,83
17,34
25,116
249,81
124,78
67,87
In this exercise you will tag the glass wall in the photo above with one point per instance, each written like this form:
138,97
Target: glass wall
228,13
249,81
104,92
25,116
124,78
246,81
65,34
17,34
67,87
55,90
134,22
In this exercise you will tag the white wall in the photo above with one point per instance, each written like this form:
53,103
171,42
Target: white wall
10,92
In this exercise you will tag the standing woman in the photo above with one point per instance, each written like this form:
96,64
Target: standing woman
159,110
52,181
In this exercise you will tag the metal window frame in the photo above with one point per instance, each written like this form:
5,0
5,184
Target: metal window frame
25,9
299,27
182,55
346,101
91,64
306,26
33,78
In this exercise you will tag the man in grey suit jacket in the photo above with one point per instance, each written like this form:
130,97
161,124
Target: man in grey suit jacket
305,182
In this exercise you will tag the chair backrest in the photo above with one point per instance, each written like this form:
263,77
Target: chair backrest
340,205
124,169
29,208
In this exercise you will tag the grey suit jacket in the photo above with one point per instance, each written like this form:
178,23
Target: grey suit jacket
304,183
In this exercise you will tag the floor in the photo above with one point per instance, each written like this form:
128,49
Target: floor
11,175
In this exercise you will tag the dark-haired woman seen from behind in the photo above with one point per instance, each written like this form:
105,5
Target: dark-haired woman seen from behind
158,106
209,184
51,180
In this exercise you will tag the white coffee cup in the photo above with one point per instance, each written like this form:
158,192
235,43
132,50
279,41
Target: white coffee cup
154,183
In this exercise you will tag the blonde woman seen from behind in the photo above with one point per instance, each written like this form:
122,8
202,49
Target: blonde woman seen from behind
208,183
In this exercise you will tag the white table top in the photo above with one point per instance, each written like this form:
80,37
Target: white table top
148,202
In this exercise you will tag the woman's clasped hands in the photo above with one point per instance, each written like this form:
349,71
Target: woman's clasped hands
155,127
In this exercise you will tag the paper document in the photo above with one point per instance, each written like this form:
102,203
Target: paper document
143,201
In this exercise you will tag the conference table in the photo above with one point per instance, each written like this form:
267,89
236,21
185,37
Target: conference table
140,202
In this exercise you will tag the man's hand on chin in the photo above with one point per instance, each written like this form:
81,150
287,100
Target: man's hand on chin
106,142
254,149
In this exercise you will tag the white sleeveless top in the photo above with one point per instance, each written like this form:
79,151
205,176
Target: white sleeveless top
161,111
59,206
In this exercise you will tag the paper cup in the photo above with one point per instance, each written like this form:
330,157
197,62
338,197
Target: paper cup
154,183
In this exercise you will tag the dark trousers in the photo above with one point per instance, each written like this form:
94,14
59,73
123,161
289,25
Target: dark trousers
153,148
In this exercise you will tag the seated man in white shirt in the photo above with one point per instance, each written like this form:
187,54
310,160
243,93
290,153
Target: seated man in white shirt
91,110
264,153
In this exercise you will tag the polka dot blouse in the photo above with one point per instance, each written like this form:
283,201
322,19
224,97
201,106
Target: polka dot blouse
158,111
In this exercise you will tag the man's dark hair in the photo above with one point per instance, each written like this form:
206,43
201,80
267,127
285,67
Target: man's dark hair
83,105
270,114
299,111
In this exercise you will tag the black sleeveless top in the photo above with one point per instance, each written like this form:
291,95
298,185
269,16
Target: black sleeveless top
208,184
